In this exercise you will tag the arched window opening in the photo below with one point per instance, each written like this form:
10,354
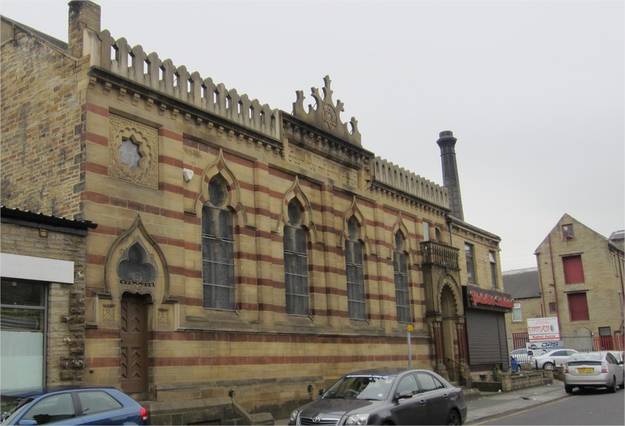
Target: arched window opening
296,261
356,301
400,266
217,247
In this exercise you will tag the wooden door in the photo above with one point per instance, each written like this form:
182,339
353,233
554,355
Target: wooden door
134,354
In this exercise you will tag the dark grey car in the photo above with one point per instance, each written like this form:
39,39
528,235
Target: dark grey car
386,396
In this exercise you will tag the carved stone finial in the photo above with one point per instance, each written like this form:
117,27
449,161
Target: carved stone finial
325,115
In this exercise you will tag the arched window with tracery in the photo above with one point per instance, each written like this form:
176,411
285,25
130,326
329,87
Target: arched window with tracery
217,247
296,261
356,301
400,266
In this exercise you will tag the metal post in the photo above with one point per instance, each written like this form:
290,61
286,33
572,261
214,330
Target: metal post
408,330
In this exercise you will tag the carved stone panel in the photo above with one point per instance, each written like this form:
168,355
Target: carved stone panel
134,151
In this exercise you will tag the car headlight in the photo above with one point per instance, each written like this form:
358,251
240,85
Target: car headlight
357,419
293,416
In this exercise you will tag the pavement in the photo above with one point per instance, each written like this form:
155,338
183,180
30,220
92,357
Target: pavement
494,404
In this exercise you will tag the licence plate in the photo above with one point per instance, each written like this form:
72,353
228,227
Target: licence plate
585,370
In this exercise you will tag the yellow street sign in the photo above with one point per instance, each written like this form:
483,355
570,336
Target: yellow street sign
410,328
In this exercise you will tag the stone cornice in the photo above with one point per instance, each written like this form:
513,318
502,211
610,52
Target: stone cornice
324,143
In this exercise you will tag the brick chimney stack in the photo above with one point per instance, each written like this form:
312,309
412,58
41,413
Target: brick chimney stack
447,142
82,14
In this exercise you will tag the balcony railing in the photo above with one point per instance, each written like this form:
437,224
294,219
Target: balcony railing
438,254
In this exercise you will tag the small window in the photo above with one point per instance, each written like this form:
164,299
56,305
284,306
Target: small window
470,261
517,315
552,307
492,259
426,231
54,408
97,402
428,382
567,231
129,153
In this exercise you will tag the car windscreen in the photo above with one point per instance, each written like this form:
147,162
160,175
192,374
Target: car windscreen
360,387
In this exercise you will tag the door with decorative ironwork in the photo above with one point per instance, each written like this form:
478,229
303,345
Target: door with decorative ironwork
134,359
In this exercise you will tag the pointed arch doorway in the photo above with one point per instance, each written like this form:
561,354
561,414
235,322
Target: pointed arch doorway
449,314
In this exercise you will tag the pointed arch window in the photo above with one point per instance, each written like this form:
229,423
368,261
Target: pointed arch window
400,266
356,303
296,261
217,247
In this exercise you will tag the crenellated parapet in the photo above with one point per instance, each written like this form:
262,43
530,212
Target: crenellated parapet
405,181
132,63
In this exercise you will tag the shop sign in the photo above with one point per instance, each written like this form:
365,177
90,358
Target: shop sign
480,298
543,329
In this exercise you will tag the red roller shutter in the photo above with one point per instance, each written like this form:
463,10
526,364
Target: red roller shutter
578,306
573,270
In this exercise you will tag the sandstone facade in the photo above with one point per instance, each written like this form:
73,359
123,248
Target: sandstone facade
148,138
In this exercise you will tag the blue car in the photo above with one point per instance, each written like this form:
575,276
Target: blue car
75,406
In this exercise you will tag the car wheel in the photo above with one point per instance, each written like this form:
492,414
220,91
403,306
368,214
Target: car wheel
454,418
612,387
568,388
548,366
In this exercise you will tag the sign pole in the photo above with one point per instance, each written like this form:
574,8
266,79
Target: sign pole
409,330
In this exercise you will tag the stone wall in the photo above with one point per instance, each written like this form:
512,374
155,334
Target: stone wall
66,320
42,121
602,280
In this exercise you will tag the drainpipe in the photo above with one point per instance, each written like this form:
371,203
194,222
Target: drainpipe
543,310
555,288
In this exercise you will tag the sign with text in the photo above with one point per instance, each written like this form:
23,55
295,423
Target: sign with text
543,329
542,347
487,299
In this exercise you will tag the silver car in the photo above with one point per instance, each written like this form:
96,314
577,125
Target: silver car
553,358
593,369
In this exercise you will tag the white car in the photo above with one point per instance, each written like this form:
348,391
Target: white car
553,358
593,369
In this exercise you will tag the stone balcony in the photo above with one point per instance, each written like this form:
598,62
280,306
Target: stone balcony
439,254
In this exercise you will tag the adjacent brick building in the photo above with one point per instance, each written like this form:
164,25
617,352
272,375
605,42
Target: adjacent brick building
238,246
43,299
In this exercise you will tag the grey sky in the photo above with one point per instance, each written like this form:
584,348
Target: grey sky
534,91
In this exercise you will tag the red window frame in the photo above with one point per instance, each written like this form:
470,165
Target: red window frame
573,269
578,306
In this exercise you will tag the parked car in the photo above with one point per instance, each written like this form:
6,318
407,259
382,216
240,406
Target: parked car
593,369
553,358
386,396
74,406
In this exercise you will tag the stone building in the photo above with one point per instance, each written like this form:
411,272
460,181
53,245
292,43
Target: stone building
239,247
42,268
581,278
524,288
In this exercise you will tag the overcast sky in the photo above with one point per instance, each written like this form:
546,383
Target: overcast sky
534,91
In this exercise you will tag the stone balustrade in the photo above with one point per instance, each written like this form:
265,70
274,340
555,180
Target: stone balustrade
132,63
438,254
410,183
